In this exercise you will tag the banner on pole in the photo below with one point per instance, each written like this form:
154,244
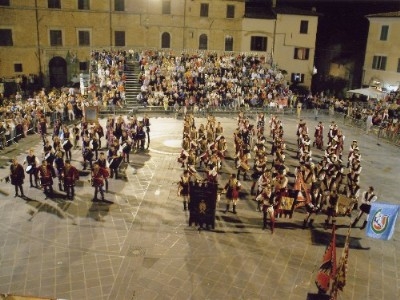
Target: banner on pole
382,220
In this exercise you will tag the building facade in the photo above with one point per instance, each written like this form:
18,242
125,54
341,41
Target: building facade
54,38
382,56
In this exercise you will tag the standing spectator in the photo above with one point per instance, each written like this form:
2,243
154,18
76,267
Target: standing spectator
17,177
369,122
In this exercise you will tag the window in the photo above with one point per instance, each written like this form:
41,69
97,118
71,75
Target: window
83,66
304,27
165,40
230,11
228,43
6,37
203,42
204,10
4,2
398,66
379,63
297,77
120,38
258,43
84,4
384,32
54,3
166,7
55,38
84,38
119,5
301,53
18,68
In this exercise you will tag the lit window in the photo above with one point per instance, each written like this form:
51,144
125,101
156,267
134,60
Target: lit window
301,53
297,77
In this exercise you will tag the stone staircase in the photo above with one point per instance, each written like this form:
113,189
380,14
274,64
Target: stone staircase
132,85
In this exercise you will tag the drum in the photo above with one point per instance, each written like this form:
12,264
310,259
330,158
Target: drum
244,166
126,148
67,145
115,162
29,169
88,154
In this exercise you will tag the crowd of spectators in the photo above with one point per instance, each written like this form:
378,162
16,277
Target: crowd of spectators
209,80
20,115
197,81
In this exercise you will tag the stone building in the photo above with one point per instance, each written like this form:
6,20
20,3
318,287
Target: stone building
382,55
54,38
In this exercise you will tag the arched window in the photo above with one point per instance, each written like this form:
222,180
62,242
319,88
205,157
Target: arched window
203,42
228,43
165,40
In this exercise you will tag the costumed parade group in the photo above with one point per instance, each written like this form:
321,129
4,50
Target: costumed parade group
122,137
329,187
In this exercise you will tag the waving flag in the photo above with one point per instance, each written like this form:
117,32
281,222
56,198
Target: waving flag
341,273
327,270
381,221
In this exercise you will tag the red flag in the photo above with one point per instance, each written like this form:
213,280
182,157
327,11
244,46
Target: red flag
327,270
340,278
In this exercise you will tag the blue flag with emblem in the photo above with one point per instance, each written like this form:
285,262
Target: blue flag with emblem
381,221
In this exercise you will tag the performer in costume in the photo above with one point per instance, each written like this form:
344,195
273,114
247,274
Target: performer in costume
17,176
232,189
98,177
70,175
47,174
59,166
313,207
114,160
183,189
103,163
331,210
367,198
259,167
266,199
32,161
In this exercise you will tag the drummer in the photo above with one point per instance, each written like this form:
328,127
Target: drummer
32,161
46,178
67,145
114,159
103,163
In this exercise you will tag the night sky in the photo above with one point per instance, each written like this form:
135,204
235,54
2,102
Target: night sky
343,22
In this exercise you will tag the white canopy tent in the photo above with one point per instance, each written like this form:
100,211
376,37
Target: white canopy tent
370,92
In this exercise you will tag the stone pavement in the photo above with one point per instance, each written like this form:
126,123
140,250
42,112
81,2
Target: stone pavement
138,244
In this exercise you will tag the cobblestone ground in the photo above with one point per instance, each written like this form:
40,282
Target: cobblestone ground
138,244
